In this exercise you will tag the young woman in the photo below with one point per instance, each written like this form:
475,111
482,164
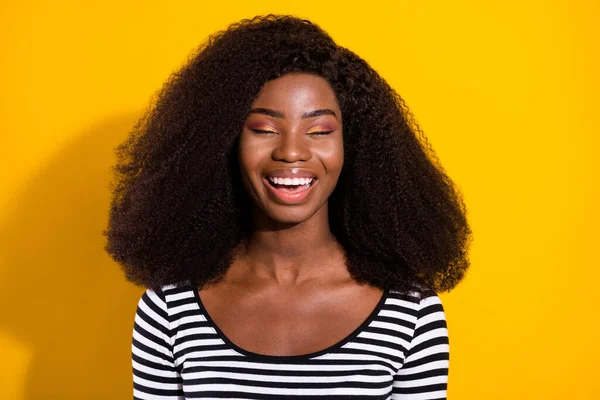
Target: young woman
291,226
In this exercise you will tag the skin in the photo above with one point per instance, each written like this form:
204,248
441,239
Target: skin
289,291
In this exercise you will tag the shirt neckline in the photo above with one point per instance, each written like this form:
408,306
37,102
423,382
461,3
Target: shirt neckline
268,357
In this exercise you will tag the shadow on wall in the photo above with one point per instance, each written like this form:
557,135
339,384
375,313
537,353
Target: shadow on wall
61,294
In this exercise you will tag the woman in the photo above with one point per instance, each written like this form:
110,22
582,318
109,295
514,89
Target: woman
291,226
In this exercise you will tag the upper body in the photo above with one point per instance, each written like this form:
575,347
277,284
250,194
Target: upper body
291,228
399,351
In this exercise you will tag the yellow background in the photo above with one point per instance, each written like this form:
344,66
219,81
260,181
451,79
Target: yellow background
506,92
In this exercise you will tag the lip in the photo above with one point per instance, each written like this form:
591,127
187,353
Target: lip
291,173
284,197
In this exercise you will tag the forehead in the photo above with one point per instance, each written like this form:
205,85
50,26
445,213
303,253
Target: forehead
297,91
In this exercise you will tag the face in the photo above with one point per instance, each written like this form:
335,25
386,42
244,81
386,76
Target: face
291,150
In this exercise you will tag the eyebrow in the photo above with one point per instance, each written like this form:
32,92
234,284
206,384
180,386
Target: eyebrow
278,114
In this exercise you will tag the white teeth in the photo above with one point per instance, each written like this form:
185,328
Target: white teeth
291,181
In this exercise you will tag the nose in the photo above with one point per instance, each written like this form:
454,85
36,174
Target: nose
292,147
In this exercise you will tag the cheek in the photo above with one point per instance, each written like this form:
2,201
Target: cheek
246,165
331,154
251,153
247,153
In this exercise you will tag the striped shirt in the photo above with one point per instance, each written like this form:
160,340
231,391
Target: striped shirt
400,351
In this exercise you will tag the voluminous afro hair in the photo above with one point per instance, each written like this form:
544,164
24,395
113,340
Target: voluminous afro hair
179,209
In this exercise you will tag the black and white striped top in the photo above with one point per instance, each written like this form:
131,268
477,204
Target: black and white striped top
400,351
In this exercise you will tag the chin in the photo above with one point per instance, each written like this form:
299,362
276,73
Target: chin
290,215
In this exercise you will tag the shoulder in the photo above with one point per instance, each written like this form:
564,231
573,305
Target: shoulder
422,300
158,301
427,332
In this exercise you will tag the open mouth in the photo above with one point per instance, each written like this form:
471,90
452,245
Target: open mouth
291,185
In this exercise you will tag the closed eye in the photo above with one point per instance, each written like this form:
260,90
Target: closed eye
319,133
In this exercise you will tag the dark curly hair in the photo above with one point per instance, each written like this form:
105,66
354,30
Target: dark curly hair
179,210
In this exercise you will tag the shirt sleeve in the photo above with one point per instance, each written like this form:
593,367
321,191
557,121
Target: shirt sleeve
155,375
424,374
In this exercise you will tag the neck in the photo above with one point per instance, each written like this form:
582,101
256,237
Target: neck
293,253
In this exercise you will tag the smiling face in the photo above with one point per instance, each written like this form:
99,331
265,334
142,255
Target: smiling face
291,150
